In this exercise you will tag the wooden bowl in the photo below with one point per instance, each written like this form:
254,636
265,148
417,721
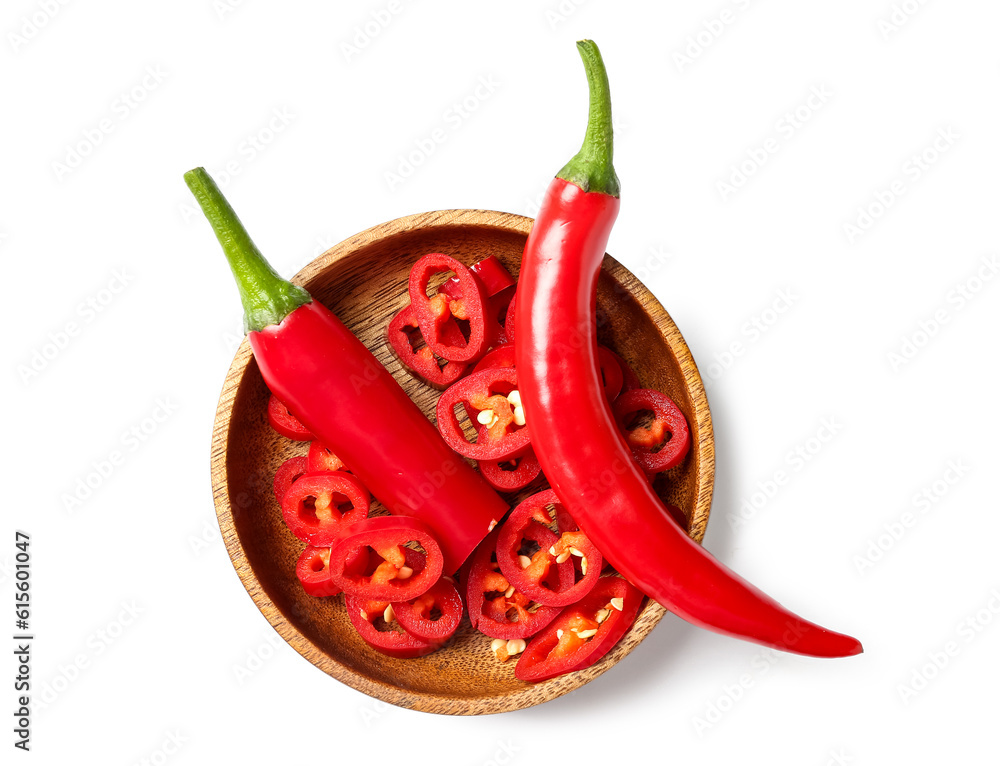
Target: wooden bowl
364,281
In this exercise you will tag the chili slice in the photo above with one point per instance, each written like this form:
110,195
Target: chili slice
366,613
321,458
629,379
313,571
434,616
396,572
284,422
512,474
287,474
319,507
501,356
421,361
668,432
530,576
611,373
495,607
488,396
582,633
434,313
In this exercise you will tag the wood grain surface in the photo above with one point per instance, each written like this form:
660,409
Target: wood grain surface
363,280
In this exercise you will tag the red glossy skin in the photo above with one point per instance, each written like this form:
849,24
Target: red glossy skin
315,364
556,354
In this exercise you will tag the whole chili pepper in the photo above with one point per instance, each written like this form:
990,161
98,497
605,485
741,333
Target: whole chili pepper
556,355
314,364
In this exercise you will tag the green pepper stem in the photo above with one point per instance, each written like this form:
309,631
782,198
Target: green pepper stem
267,298
591,168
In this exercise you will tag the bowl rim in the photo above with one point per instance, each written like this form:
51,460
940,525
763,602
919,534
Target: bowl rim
533,694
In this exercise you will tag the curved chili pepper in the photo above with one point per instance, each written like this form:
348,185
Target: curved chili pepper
668,430
284,422
556,350
319,507
433,313
343,395
422,362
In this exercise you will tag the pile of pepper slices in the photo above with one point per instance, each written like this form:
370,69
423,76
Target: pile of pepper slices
539,573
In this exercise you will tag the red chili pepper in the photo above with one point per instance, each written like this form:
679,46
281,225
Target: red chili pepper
287,474
365,614
668,432
285,423
492,274
509,322
512,474
485,396
495,607
611,373
321,458
556,352
433,617
498,288
311,361
630,379
397,572
434,313
583,632
319,507
530,574
313,571
502,356
404,332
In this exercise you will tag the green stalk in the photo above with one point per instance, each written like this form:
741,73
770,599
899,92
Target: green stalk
591,168
267,298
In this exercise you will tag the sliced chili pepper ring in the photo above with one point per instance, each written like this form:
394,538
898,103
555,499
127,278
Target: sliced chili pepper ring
500,436
495,607
434,313
611,373
583,633
285,423
321,458
394,571
529,574
287,474
502,356
319,507
366,613
668,432
433,616
313,571
512,474
404,339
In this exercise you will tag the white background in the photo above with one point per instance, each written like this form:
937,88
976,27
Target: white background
888,531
